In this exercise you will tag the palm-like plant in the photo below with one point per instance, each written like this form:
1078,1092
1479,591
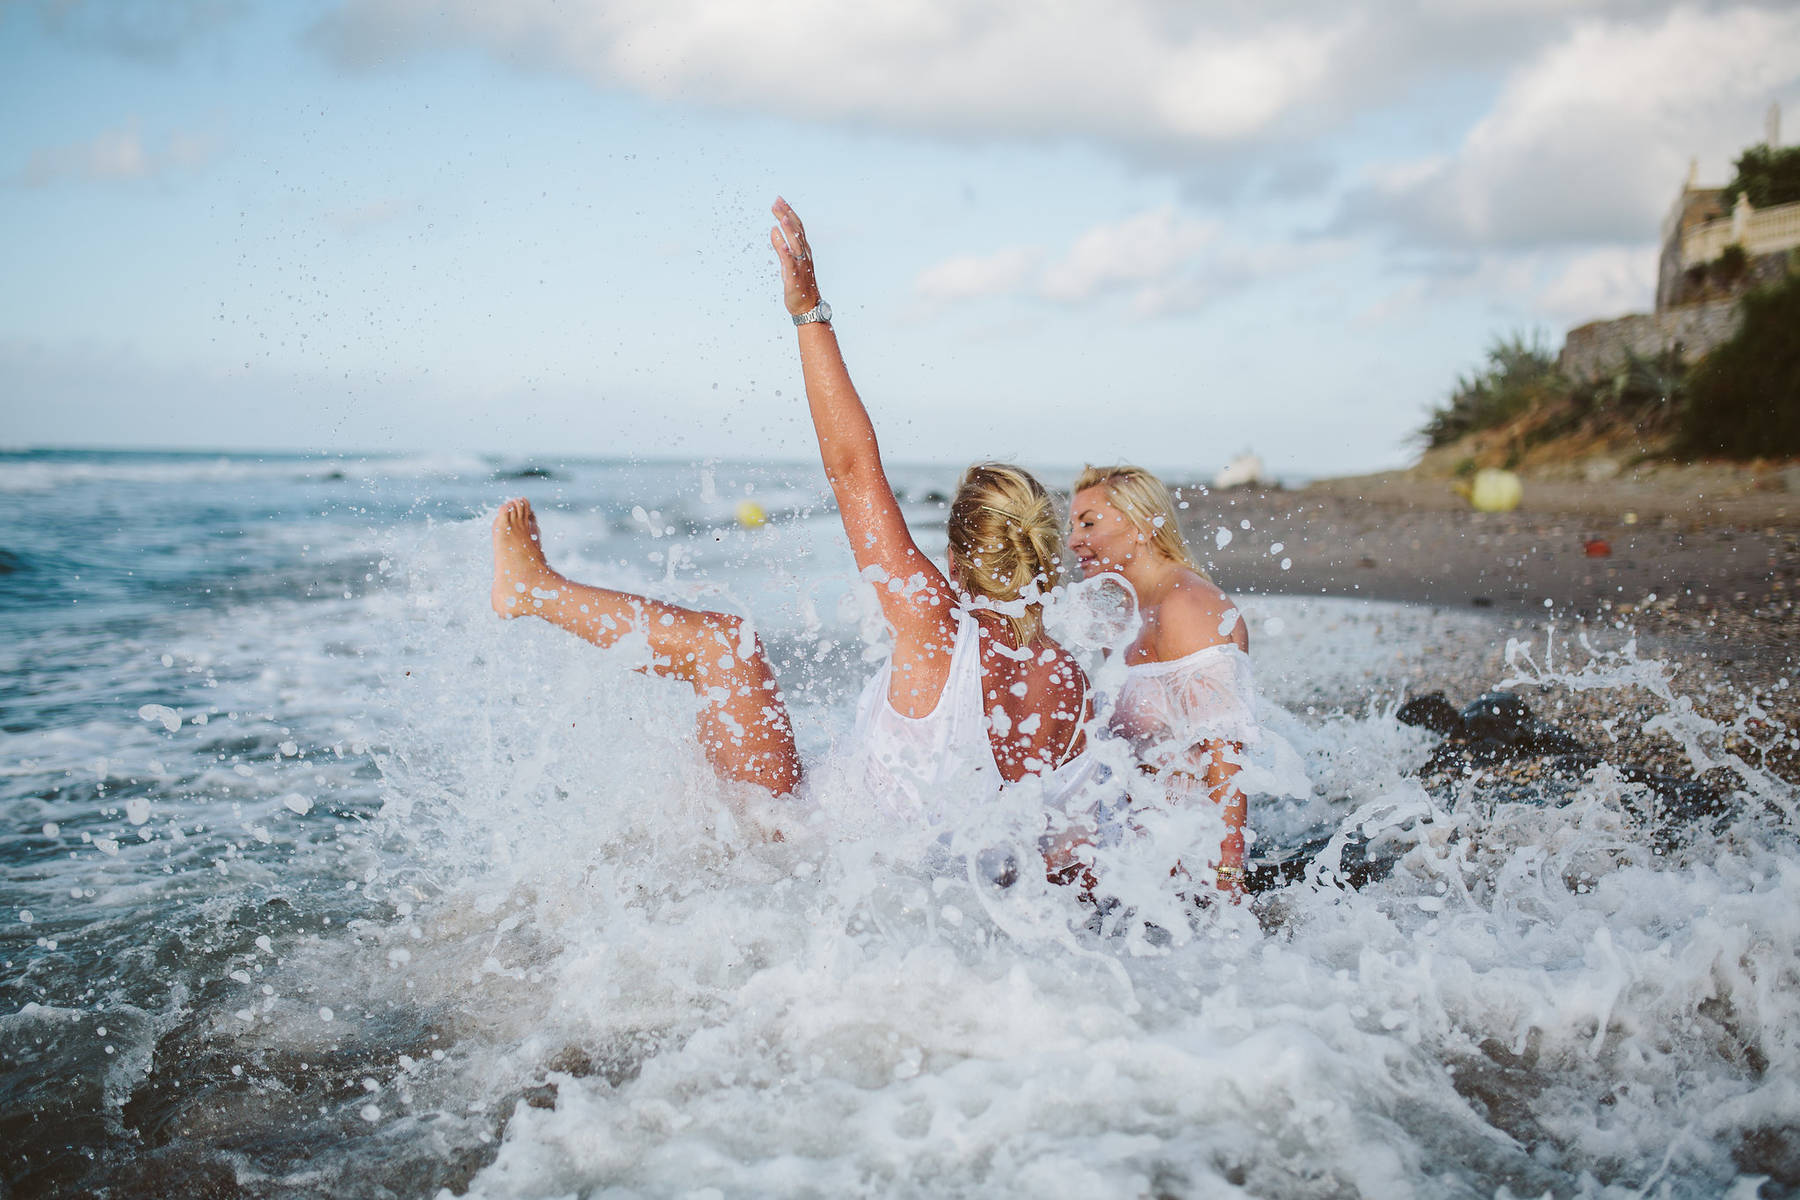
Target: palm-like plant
1519,374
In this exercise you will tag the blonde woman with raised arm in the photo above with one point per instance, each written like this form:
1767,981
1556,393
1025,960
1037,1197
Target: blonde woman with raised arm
971,697
1187,705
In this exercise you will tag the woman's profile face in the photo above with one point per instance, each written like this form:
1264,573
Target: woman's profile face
1100,536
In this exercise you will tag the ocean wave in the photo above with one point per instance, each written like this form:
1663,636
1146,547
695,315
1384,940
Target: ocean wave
378,892
26,474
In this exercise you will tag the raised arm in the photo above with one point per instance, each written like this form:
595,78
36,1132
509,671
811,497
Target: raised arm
915,597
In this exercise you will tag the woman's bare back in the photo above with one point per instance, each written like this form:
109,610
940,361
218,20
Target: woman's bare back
1035,699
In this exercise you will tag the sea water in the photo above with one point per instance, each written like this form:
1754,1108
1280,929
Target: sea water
319,879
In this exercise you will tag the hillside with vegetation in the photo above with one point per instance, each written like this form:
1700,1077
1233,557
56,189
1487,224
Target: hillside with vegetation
1740,402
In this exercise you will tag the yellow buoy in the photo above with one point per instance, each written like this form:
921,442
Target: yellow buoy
1496,491
751,515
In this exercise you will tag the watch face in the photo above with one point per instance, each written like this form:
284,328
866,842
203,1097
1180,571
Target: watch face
823,312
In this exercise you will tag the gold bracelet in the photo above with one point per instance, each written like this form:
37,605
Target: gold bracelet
1229,872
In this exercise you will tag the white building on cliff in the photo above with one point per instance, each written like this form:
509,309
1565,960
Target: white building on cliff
1710,256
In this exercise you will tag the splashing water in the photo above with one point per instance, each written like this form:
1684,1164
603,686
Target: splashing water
474,915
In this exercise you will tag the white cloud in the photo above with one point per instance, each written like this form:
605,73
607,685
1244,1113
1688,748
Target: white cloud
1607,282
1599,104
116,155
1161,261
1550,289
973,276
1129,72
1590,141
1141,252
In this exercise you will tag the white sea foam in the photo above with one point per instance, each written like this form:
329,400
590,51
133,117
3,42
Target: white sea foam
1535,998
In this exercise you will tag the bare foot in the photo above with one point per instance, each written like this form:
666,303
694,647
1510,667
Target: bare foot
519,563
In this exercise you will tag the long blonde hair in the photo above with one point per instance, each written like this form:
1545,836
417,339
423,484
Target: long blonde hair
1005,535
1146,503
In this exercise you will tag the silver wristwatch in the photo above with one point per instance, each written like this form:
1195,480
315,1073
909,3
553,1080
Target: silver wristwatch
818,312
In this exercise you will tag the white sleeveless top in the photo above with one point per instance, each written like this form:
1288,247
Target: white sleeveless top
926,769
1164,708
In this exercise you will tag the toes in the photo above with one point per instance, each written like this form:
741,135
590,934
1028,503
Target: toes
507,519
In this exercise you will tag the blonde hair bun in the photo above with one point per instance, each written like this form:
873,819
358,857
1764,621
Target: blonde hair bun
1006,537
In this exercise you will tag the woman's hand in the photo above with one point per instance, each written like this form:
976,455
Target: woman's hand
799,286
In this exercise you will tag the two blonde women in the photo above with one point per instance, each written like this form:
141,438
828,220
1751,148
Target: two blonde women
973,695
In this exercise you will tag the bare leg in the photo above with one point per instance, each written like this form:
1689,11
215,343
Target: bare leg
743,725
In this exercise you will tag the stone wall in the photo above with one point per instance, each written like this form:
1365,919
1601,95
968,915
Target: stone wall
1703,282
1599,347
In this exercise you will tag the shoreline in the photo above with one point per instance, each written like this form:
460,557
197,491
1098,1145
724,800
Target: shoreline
1707,586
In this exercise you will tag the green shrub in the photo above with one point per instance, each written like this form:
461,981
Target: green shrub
1520,374
1766,176
1744,398
1641,382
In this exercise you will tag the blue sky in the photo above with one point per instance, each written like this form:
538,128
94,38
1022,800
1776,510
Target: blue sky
1146,230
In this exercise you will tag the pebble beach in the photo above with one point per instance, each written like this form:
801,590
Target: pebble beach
1698,566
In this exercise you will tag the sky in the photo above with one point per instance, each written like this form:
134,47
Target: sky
1051,230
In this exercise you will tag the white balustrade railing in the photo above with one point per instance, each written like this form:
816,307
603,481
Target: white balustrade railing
1758,231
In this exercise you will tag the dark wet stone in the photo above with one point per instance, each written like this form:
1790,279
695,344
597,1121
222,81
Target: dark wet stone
1673,804
1502,719
1497,717
530,473
1357,865
1265,872
1773,1151
1503,1088
1433,712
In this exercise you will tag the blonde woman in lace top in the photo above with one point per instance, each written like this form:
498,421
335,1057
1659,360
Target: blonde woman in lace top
1188,703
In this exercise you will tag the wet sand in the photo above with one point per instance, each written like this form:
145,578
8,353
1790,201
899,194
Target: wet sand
1707,583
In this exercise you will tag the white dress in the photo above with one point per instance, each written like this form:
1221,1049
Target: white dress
927,770
1165,708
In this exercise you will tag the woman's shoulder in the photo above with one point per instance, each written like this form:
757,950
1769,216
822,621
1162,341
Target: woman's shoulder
1196,615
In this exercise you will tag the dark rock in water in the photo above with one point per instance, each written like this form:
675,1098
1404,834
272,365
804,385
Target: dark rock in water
10,563
1278,869
1773,1150
333,476
1521,760
530,473
1497,717
1502,719
936,497
1357,866
1545,764
1431,711
1676,805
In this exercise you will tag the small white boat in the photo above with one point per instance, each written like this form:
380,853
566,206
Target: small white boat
1246,470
